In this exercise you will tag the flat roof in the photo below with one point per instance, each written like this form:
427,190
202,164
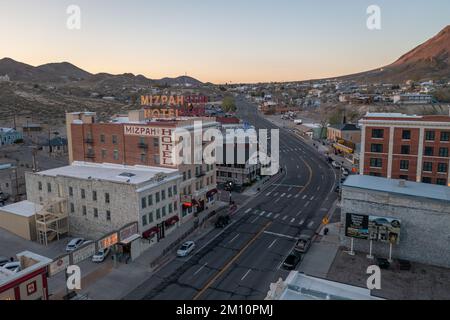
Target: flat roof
29,261
23,208
108,172
414,189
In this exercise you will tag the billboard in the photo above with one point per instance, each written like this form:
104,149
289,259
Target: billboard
83,253
59,264
108,241
375,228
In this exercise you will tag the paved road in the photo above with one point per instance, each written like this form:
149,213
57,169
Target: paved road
242,261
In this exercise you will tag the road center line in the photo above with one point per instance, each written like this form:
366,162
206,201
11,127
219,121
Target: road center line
233,238
273,242
280,235
245,275
201,268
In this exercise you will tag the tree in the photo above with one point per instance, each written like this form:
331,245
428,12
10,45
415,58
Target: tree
228,104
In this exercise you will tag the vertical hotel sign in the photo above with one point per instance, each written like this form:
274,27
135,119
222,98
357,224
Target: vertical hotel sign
165,140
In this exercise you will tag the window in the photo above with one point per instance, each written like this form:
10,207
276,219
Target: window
443,152
377,133
442,167
156,159
429,151
428,166
83,194
150,217
426,180
72,208
405,150
442,182
169,192
114,139
95,213
116,154
150,200
175,191
175,206
103,153
102,138
40,186
376,162
143,158
158,214
144,202
170,208
157,197
94,195
163,195
445,136
84,211
404,177
156,142
144,220
430,135
71,191
404,164
106,197
189,174
163,211
377,148
184,176
375,174
406,134
49,187
108,215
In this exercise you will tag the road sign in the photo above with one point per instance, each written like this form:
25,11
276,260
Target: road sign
325,221
83,253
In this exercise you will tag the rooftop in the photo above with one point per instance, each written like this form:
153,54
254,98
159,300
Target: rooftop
109,172
346,127
23,208
414,189
29,262
401,116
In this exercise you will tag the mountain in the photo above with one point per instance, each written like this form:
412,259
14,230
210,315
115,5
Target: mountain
66,72
428,61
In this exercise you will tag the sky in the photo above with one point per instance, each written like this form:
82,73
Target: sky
220,41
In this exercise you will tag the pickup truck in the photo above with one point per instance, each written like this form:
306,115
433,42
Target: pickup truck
304,241
298,121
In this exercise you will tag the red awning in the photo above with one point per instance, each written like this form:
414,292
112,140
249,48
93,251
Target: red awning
212,192
150,233
171,221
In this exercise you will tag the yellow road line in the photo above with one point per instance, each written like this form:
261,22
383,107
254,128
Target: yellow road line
210,282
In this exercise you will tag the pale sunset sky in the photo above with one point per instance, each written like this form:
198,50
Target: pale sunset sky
220,41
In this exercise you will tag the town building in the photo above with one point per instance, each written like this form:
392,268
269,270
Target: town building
20,218
30,283
408,147
9,136
12,183
56,146
140,139
314,131
413,98
4,78
397,219
97,199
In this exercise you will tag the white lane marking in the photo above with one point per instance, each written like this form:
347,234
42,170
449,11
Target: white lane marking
293,219
276,193
201,268
296,196
304,197
312,198
310,224
298,167
254,220
318,188
289,195
298,213
280,235
307,204
285,217
283,195
233,238
290,188
245,275
248,210
269,214
276,216
262,213
302,222
273,242
277,200
268,194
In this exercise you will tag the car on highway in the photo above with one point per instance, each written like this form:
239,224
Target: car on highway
101,255
304,241
13,266
292,260
186,248
336,165
74,244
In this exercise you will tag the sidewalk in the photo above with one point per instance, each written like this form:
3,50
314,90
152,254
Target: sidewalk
112,283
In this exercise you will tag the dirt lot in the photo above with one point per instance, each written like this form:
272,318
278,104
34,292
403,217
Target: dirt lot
422,282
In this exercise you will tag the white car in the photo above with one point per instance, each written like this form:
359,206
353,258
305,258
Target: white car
74,244
345,172
186,249
336,165
101,255
13,266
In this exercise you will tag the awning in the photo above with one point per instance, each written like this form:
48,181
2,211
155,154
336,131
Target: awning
150,233
171,221
342,148
130,239
212,192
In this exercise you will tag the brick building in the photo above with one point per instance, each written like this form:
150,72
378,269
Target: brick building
408,147
137,139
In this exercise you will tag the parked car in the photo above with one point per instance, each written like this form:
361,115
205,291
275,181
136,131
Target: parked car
336,165
383,263
3,261
304,241
292,260
186,249
345,172
101,255
13,266
74,244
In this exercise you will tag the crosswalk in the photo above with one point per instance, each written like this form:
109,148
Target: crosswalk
290,219
286,150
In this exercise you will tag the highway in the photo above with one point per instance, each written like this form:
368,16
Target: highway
242,261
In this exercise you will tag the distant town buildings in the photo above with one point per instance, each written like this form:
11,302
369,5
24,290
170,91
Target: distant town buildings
9,136
408,147
412,99
4,78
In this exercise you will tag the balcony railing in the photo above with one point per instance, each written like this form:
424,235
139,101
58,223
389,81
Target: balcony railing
143,145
